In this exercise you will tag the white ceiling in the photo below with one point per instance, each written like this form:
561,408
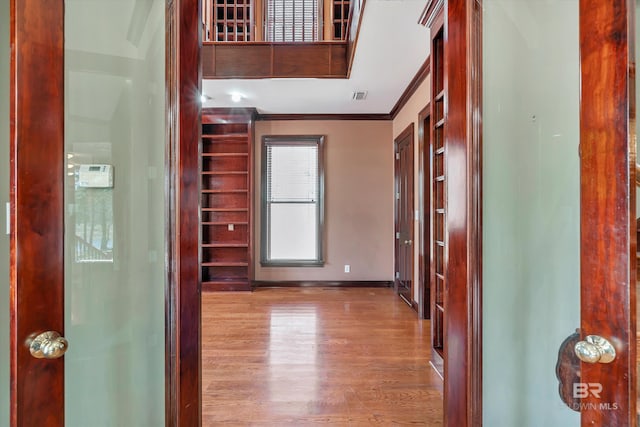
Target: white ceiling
386,60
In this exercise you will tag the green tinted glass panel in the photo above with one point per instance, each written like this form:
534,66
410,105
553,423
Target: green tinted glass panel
114,222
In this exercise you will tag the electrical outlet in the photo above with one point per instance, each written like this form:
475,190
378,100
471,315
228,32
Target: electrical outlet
347,268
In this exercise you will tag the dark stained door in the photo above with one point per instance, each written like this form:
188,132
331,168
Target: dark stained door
607,198
40,82
37,147
404,214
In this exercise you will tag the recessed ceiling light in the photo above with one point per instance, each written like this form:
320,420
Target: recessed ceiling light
236,97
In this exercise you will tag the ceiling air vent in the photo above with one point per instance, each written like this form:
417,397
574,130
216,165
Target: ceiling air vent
359,95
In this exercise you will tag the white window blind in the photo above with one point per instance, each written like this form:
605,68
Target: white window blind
292,201
292,173
292,20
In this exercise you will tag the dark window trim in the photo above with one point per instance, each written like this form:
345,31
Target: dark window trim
291,140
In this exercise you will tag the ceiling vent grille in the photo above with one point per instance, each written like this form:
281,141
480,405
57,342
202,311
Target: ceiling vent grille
359,95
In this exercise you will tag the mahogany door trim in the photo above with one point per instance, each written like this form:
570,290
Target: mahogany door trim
607,205
183,401
36,207
424,225
463,136
406,134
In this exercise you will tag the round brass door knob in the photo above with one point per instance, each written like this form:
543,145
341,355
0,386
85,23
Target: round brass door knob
48,345
595,349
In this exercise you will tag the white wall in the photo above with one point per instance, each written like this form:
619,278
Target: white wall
531,207
4,198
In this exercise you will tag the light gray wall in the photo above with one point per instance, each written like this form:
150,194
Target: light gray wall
4,198
531,207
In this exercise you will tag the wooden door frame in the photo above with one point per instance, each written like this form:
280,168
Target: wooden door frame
408,132
607,196
463,139
463,65
183,403
183,70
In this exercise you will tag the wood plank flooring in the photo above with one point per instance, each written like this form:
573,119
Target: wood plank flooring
309,356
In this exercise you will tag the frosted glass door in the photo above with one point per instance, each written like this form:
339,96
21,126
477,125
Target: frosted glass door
114,204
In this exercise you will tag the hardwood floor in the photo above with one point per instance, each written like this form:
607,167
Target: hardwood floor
307,356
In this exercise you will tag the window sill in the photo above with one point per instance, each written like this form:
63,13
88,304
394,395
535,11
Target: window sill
292,263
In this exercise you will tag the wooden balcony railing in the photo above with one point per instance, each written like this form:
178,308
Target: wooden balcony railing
87,252
275,20
236,47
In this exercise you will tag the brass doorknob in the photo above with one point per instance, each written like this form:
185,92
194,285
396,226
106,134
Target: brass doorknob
48,345
595,349
407,242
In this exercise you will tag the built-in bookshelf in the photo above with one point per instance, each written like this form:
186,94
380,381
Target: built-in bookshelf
438,190
226,214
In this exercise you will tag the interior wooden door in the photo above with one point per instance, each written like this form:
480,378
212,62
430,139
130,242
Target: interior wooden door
87,250
404,215
608,390
37,252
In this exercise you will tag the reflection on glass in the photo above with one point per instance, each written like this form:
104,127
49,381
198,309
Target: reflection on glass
114,241
292,358
92,214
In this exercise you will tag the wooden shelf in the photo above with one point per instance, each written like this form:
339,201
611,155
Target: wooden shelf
224,223
225,210
226,137
223,191
225,173
438,183
225,154
226,196
225,245
225,264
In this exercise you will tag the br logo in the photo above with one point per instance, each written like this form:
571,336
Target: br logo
584,390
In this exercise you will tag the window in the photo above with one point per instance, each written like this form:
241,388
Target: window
292,200
292,20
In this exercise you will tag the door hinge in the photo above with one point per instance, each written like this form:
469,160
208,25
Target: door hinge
397,156
397,235
398,196
397,274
